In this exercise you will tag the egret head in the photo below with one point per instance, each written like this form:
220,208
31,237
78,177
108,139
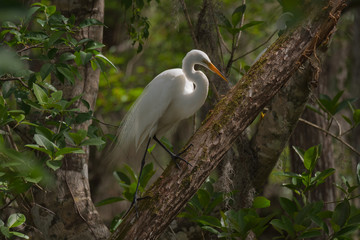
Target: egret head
199,57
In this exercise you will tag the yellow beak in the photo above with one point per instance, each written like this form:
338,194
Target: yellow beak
215,70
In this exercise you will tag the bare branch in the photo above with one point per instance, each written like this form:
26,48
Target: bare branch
11,78
253,50
331,134
30,47
187,16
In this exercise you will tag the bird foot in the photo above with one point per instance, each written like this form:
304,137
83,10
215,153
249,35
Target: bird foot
174,157
134,204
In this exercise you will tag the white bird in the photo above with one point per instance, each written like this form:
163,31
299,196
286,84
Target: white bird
170,97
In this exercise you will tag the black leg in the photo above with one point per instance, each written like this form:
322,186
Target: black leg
173,155
135,199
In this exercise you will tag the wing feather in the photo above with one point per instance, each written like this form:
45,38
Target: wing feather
141,121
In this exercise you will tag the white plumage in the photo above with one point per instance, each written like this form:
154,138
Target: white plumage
170,97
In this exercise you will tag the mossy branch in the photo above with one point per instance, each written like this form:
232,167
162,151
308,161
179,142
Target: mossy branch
225,123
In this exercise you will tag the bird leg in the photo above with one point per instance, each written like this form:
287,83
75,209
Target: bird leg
135,199
173,155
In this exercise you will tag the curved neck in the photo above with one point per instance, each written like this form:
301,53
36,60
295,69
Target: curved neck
197,98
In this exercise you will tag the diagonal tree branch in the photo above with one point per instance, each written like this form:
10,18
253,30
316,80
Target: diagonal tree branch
229,118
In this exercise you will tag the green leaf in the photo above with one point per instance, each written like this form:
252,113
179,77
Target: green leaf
93,142
346,230
147,173
79,136
210,229
284,224
106,60
348,120
150,149
44,142
93,45
237,15
204,197
356,116
40,94
45,70
261,202
8,24
37,147
54,37
15,219
288,174
208,220
67,73
56,96
54,164
288,205
5,231
50,9
320,177
18,234
109,201
341,213
115,223
167,143
121,176
36,36
310,234
67,56
82,57
354,219
90,22
224,21
310,157
67,150
251,24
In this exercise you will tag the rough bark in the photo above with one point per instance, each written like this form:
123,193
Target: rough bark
230,117
66,211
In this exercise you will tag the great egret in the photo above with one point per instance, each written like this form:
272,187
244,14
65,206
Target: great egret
170,97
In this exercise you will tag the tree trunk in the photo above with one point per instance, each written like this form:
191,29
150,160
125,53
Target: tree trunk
226,122
67,211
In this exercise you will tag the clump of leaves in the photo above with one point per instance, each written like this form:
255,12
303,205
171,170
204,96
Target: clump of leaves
309,219
36,120
231,224
128,179
13,221
297,220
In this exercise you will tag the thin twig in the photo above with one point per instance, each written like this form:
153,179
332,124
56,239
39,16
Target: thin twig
7,204
338,201
331,134
187,16
29,47
332,116
235,43
104,123
11,139
243,55
20,79
241,24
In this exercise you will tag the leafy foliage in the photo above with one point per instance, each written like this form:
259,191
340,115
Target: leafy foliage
36,120
127,179
14,220
298,220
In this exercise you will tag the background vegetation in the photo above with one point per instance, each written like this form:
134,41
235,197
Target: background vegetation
142,39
